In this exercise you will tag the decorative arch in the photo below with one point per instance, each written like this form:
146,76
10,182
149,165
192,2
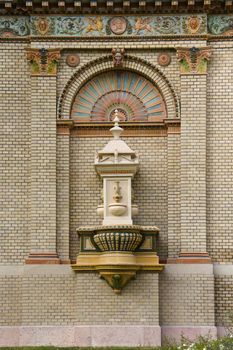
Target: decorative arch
105,64
136,98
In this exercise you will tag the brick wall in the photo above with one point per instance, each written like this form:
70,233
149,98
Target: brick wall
219,154
57,296
15,140
136,305
186,297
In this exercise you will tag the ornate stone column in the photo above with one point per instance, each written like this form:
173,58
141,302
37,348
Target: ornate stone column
43,65
193,70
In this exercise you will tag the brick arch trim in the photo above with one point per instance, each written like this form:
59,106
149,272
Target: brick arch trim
104,64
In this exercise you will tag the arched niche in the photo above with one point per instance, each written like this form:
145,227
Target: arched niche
136,98
100,72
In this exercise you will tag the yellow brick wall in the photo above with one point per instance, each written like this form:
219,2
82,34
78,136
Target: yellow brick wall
219,154
15,153
186,299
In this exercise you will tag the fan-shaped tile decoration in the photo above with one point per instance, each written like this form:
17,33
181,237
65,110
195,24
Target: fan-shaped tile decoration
135,97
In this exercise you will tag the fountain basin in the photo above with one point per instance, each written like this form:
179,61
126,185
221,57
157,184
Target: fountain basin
117,241
117,209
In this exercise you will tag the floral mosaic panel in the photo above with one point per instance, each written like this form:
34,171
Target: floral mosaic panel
14,26
220,25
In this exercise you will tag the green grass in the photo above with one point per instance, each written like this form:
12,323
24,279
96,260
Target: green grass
202,344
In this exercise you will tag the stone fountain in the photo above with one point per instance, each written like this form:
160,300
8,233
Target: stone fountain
117,249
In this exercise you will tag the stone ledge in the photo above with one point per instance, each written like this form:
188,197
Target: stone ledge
190,332
223,269
50,270
81,335
188,269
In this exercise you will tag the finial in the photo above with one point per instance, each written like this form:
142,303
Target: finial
116,119
116,130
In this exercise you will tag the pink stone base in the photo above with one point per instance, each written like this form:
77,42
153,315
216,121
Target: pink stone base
223,332
174,333
80,336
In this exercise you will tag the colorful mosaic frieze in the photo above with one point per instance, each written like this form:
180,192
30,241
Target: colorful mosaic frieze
136,99
118,25
43,62
194,60
98,26
220,25
14,26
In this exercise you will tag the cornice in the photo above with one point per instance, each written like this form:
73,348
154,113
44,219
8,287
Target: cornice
20,7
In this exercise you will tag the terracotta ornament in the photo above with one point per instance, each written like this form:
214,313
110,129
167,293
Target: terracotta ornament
95,24
118,57
164,59
72,60
193,60
43,61
118,25
143,24
193,24
42,25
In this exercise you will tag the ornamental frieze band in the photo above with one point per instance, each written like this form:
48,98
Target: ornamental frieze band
101,26
115,26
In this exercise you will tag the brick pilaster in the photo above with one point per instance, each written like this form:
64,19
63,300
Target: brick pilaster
173,191
43,158
63,191
193,64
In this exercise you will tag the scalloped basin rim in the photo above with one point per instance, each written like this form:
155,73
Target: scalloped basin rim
151,229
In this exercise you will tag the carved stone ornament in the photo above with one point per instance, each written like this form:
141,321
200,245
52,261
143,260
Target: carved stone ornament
164,59
118,57
43,61
193,60
118,25
72,60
